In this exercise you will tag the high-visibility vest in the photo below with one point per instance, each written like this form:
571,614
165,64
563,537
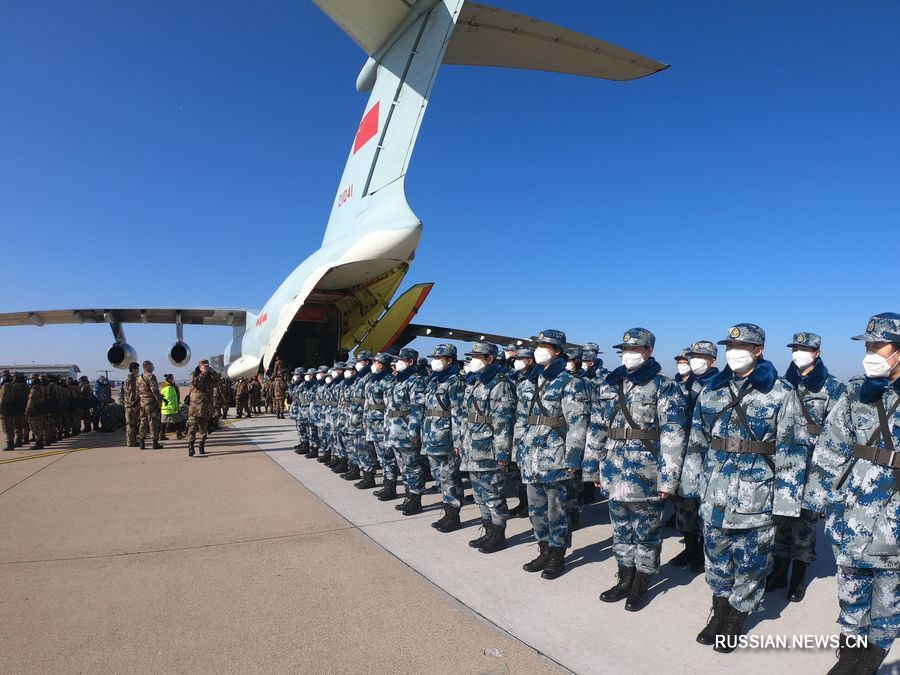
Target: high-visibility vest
169,400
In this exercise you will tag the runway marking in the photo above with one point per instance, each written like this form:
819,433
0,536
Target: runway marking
50,453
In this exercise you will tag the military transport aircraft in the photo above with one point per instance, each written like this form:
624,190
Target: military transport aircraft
337,299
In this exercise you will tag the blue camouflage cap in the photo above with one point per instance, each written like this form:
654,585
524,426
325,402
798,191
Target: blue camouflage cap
573,354
682,355
364,355
592,348
703,348
351,363
339,365
524,353
745,332
482,349
884,327
808,340
511,347
406,354
299,371
444,350
637,337
324,369
383,357
551,337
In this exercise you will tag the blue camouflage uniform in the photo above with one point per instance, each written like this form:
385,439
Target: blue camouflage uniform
403,423
745,464
853,479
306,412
795,538
441,429
552,417
377,387
338,418
594,371
487,417
364,449
296,391
635,451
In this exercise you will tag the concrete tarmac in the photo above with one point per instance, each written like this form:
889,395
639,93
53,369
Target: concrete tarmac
118,560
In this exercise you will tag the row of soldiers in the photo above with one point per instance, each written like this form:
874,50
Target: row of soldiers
751,460
250,394
47,408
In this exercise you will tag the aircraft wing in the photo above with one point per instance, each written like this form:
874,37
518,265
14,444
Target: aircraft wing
210,316
487,36
414,330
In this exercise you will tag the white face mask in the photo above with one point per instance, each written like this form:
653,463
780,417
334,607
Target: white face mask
510,356
542,355
360,367
437,365
320,376
632,360
308,378
877,365
699,366
401,366
519,364
349,373
476,366
683,368
802,359
329,379
377,367
570,366
335,373
295,379
739,360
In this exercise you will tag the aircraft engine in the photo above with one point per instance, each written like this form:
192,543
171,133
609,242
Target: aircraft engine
179,354
120,355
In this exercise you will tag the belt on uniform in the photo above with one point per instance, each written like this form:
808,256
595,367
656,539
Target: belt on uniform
814,429
739,445
558,422
880,456
476,418
629,433
437,412
398,413
374,406
359,401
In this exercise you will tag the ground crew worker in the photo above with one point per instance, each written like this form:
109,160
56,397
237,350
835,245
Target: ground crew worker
742,444
635,452
150,401
854,480
552,416
171,415
376,392
200,408
817,394
404,409
488,417
132,406
441,432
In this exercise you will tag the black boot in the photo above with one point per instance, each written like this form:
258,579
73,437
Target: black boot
778,577
388,491
38,445
687,555
451,524
797,587
202,447
402,505
539,563
10,446
698,562
157,445
341,466
313,453
190,448
716,621
734,622
637,594
556,563
848,657
478,541
367,482
620,590
496,541
302,448
413,506
352,473
574,519
521,510
443,519
870,659
143,444
325,457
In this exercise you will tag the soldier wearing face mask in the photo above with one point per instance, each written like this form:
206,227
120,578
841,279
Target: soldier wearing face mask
594,371
854,479
524,372
701,357
509,358
817,393
634,452
403,426
485,452
742,446
349,434
307,412
682,370
321,411
576,493
335,419
377,391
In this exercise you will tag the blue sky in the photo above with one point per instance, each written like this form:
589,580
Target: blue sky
173,153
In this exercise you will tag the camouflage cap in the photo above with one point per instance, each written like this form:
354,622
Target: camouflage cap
364,355
682,355
573,354
444,349
745,332
524,353
550,337
703,348
339,365
299,371
637,337
351,363
383,357
422,361
407,353
591,348
808,340
482,349
202,361
324,369
884,327
511,347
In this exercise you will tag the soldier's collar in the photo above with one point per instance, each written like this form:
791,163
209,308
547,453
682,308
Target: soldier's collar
640,376
446,373
488,373
814,381
873,388
552,369
763,377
